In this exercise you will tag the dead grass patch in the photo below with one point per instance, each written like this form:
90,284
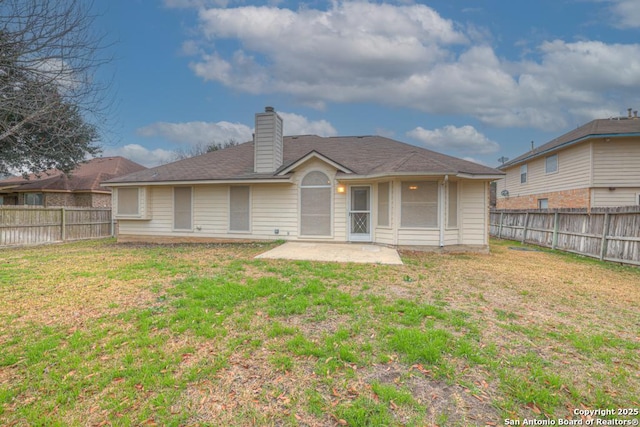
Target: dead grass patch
96,313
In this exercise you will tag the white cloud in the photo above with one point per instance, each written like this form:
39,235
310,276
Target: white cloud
626,13
295,124
194,133
202,133
142,155
409,56
312,48
464,139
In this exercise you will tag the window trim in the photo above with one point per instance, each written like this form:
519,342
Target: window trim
637,198
173,222
546,164
435,226
524,173
301,188
249,210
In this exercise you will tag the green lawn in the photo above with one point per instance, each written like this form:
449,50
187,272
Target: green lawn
97,333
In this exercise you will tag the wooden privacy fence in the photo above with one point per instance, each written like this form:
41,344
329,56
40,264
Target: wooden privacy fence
25,225
609,234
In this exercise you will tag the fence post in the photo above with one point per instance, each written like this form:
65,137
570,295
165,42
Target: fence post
605,232
554,242
524,230
63,225
500,226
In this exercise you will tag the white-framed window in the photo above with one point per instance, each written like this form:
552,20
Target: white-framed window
128,201
523,174
419,204
384,190
637,198
315,204
182,208
1,200
240,208
551,164
34,199
452,205
543,203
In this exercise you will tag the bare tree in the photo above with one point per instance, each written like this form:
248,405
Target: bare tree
199,149
50,99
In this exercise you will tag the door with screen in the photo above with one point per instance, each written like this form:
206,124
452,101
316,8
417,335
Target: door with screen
360,214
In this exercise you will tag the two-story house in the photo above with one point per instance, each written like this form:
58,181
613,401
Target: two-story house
595,165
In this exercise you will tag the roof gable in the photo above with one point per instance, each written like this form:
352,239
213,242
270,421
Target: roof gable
312,155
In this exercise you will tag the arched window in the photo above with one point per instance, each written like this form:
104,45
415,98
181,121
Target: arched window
315,204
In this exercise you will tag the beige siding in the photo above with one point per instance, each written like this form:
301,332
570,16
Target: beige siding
418,236
603,197
473,213
276,206
268,142
574,166
273,207
383,235
616,163
160,200
211,209
339,216
410,236
451,237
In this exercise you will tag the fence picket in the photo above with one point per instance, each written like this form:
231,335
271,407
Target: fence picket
26,225
610,234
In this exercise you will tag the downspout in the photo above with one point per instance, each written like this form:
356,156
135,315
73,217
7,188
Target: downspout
442,209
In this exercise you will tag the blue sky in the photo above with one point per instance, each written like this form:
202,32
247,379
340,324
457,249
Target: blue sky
473,79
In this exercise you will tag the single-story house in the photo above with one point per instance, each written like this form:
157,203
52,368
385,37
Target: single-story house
327,189
595,165
80,188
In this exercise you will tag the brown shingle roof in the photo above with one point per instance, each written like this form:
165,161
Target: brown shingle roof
366,156
598,128
86,177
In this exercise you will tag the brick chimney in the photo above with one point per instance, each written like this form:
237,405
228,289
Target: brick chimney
268,141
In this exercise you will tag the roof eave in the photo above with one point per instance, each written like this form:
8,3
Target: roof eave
283,180
420,174
483,177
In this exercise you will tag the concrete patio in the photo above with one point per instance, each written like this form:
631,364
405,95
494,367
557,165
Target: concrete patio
334,252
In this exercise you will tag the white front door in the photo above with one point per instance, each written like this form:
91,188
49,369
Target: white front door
360,213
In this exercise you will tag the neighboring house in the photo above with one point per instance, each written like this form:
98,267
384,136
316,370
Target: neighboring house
81,188
595,165
336,189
